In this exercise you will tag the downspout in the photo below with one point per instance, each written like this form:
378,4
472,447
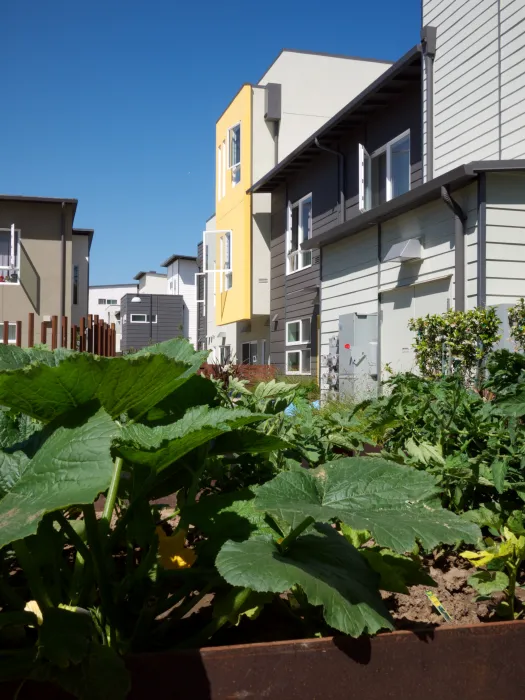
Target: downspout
62,271
340,177
379,316
460,220
482,240
428,47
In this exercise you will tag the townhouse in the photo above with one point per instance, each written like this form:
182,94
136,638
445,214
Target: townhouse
181,271
104,302
409,201
261,126
44,262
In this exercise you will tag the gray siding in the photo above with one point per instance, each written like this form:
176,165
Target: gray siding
296,295
201,287
479,86
169,310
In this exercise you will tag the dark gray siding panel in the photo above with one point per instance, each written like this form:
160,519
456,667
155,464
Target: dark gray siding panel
170,314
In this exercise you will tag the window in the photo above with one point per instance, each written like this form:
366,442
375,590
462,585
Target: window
298,361
298,331
224,354
75,284
112,302
142,318
102,301
249,353
234,153
299,231
9,255
226,255
384,174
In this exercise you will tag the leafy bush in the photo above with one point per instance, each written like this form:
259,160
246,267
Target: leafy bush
78,591
517,324
455,341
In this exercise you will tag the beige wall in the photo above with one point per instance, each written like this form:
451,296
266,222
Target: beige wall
39,289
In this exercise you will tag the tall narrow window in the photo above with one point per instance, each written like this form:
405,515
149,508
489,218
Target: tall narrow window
385,173
299,231
75,284
219,173
9,255
234,151
228,279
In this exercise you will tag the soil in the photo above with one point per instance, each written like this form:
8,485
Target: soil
450,572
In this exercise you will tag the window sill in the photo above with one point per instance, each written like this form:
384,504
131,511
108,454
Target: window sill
306,344
298,374
13,284
294,272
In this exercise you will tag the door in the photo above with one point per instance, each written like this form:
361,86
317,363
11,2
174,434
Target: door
397,308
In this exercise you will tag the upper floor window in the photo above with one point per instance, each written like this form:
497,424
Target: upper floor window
112,302
143,318
9,255
75,284
226,250
234,151
221,171
299,231
385,173
102,302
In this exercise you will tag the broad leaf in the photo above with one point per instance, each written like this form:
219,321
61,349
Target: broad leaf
13,357
249,441
488,582
397,504
329,570
16,430
499,472
12,468
512,405
178,349
397,572
65,636
73,466
161,446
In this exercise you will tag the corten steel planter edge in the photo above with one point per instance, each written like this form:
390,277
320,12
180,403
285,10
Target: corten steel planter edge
471,662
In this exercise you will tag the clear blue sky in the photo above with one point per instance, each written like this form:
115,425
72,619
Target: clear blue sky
114,102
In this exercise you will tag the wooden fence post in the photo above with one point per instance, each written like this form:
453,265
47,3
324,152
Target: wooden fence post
113,341
64,332
54,332
89,347
6,332
74,332
30,330
96,333
82,347
19,333
101,338
43,333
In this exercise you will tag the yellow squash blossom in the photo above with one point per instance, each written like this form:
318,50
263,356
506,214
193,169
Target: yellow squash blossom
172,552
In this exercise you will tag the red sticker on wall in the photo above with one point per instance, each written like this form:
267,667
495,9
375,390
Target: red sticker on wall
347,346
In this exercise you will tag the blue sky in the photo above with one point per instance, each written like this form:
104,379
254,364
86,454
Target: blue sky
114,103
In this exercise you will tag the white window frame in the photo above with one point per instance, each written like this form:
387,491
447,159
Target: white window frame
131,319
226,265
12,324
221,348
297,253
204,291
112,302
364,156
14,261
235,168
301,352
302,341
102,302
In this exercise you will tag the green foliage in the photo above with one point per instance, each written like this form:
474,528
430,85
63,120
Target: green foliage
517,324
455,341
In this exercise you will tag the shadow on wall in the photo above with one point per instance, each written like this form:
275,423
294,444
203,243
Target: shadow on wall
29,279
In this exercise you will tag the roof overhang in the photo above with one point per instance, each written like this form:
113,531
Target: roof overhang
39,200
389,85
428,192
172,259
89,232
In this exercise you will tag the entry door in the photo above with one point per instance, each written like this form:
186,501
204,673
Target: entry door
397,308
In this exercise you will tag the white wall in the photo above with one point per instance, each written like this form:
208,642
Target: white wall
314,88
153,284
105,311
352,277
505,237
479,81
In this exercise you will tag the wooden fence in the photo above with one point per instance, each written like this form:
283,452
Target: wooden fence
92,334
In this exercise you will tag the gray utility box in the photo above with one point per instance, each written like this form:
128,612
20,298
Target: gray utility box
357,354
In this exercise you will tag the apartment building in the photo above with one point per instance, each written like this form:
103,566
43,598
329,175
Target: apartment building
180,275
263,123
417,206
44,262
104,302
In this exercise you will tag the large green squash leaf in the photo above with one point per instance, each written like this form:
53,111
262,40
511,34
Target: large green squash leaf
161,446
249,441
12,467
13,357
133,384
72,466
397,504
330,571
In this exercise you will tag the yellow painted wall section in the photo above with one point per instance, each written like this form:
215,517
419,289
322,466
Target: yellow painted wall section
233,210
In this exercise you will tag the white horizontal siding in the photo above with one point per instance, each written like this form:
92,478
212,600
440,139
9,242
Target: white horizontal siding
505,237
479,80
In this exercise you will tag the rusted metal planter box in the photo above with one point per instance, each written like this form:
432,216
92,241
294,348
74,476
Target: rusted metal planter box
478,662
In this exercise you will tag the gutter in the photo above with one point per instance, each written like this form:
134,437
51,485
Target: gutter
62,269
428,46
340,178
460,220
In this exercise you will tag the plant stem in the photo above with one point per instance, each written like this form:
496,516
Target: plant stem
101,574
294,534
34,578
113,490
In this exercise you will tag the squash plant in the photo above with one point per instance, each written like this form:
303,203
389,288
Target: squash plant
79,590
